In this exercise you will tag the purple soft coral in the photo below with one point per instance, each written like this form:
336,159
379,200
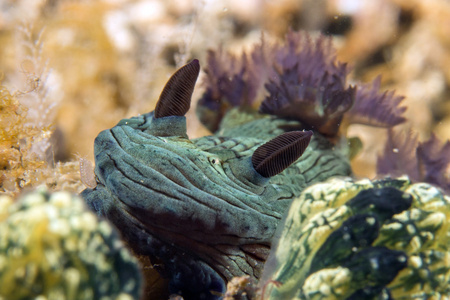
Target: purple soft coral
434,162
399,156
311,84
428,161
231,81
303,81
376,109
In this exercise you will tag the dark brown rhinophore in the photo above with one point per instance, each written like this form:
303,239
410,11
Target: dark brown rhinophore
175,99
277,154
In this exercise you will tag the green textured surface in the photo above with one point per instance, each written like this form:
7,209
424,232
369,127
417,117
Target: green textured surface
53,247
336,244
201,199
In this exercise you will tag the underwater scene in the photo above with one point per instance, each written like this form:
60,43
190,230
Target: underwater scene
235,150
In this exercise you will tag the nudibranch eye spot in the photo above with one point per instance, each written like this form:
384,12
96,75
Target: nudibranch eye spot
214,160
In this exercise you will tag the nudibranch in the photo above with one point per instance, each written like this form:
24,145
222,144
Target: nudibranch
206,208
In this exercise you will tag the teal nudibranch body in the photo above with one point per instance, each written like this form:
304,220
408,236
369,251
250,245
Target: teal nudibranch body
206,208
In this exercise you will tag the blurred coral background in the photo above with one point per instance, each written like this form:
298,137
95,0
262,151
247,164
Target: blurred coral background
70,69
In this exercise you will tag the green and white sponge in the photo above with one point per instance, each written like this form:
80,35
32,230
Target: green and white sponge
387,239
53,247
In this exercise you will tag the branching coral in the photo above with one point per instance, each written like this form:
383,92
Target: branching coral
302,79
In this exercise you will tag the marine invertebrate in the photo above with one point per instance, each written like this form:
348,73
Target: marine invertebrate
302,80
53,247
205,208
428,161
309,80
364,240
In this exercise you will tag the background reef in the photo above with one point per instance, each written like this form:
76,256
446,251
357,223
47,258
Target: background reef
70,69
73,68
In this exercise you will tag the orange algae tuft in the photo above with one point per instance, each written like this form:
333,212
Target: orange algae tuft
19,166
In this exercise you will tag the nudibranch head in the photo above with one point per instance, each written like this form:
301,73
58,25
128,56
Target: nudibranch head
204,207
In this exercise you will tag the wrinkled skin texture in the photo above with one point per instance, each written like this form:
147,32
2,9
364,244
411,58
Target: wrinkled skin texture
198,206
381,239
